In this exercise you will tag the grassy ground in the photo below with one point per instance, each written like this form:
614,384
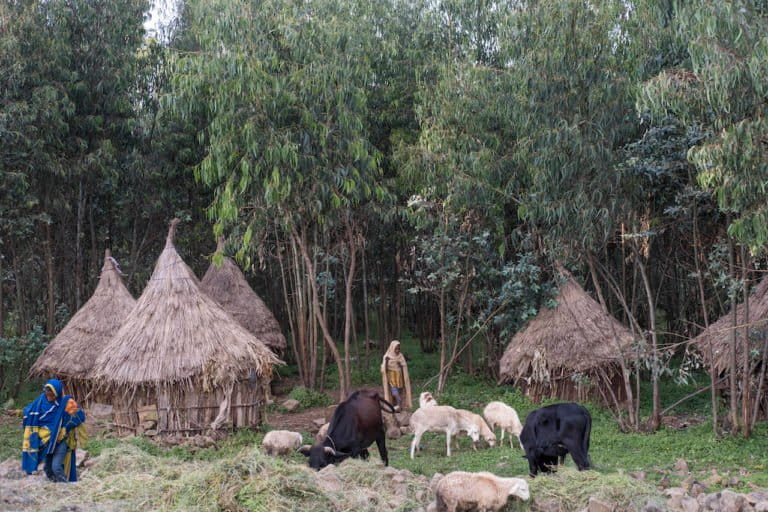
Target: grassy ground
613,453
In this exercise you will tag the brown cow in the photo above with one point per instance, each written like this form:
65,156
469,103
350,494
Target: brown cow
356,423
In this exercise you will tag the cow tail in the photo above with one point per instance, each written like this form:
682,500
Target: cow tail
391,410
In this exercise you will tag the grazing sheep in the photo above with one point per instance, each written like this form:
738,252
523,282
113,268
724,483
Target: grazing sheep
426,399
440,418
501,415
486,433
320,436
483,492
281,442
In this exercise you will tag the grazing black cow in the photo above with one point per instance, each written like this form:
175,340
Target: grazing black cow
356,423
553,431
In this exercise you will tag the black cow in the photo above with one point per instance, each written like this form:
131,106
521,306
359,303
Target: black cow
553,431
356,423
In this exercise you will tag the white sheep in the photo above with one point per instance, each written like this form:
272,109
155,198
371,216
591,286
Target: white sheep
485,432
484,492
281,442
440,418
501,415
320,436
426,399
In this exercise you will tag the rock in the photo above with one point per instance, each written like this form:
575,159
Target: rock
687,483
714,480
709,501
319,422
681,466
733,481
151,432
651,507
597,505
756,497
675,495
761,506
148,424
689,504
731,501
291,405
696,489
639,475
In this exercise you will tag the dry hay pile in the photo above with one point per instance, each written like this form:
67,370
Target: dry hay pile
570,490
126,478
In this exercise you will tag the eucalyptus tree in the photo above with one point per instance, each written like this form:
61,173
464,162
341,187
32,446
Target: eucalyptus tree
722,89
288,151
572,67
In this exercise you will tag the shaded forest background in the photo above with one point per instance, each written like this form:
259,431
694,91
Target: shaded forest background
431,160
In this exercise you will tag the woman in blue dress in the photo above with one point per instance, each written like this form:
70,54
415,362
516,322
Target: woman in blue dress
53,426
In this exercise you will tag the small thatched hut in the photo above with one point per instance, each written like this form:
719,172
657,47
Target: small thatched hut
719,333
718,336
227,285
71,354
569,352
179,352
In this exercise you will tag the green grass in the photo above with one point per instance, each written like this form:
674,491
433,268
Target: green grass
614,454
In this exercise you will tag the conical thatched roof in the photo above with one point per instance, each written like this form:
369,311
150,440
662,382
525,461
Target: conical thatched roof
176,334
719,333
574,337
227,286
72,353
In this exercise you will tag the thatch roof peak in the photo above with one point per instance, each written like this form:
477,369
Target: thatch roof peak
176,334
574,337
72,353
169,240
227,285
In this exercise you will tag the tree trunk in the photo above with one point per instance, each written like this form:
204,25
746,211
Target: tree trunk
348,299
2,304
365,314
79,244
51,317
292,326
705,313
330,343
733,405
746,376
656,397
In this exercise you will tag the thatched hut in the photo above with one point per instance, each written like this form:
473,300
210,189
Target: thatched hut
570,352
70,356
180,353
719,332
227,285
718,336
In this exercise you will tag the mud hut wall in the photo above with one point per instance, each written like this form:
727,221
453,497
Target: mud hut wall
190,411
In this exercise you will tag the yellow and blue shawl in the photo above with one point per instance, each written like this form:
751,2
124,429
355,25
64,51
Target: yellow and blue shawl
46,424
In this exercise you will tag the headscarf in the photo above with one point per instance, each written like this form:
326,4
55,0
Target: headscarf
46,424
393,361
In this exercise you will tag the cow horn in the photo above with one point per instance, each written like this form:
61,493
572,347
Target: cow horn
330,451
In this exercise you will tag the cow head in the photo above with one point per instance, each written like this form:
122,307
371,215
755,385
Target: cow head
543,458
321,456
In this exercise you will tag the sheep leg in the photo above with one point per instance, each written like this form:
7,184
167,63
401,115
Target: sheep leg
416,439
448,441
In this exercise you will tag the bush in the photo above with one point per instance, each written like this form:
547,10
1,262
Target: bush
309,398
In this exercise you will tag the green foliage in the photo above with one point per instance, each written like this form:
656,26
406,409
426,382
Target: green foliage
722,89
17,354
309,398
